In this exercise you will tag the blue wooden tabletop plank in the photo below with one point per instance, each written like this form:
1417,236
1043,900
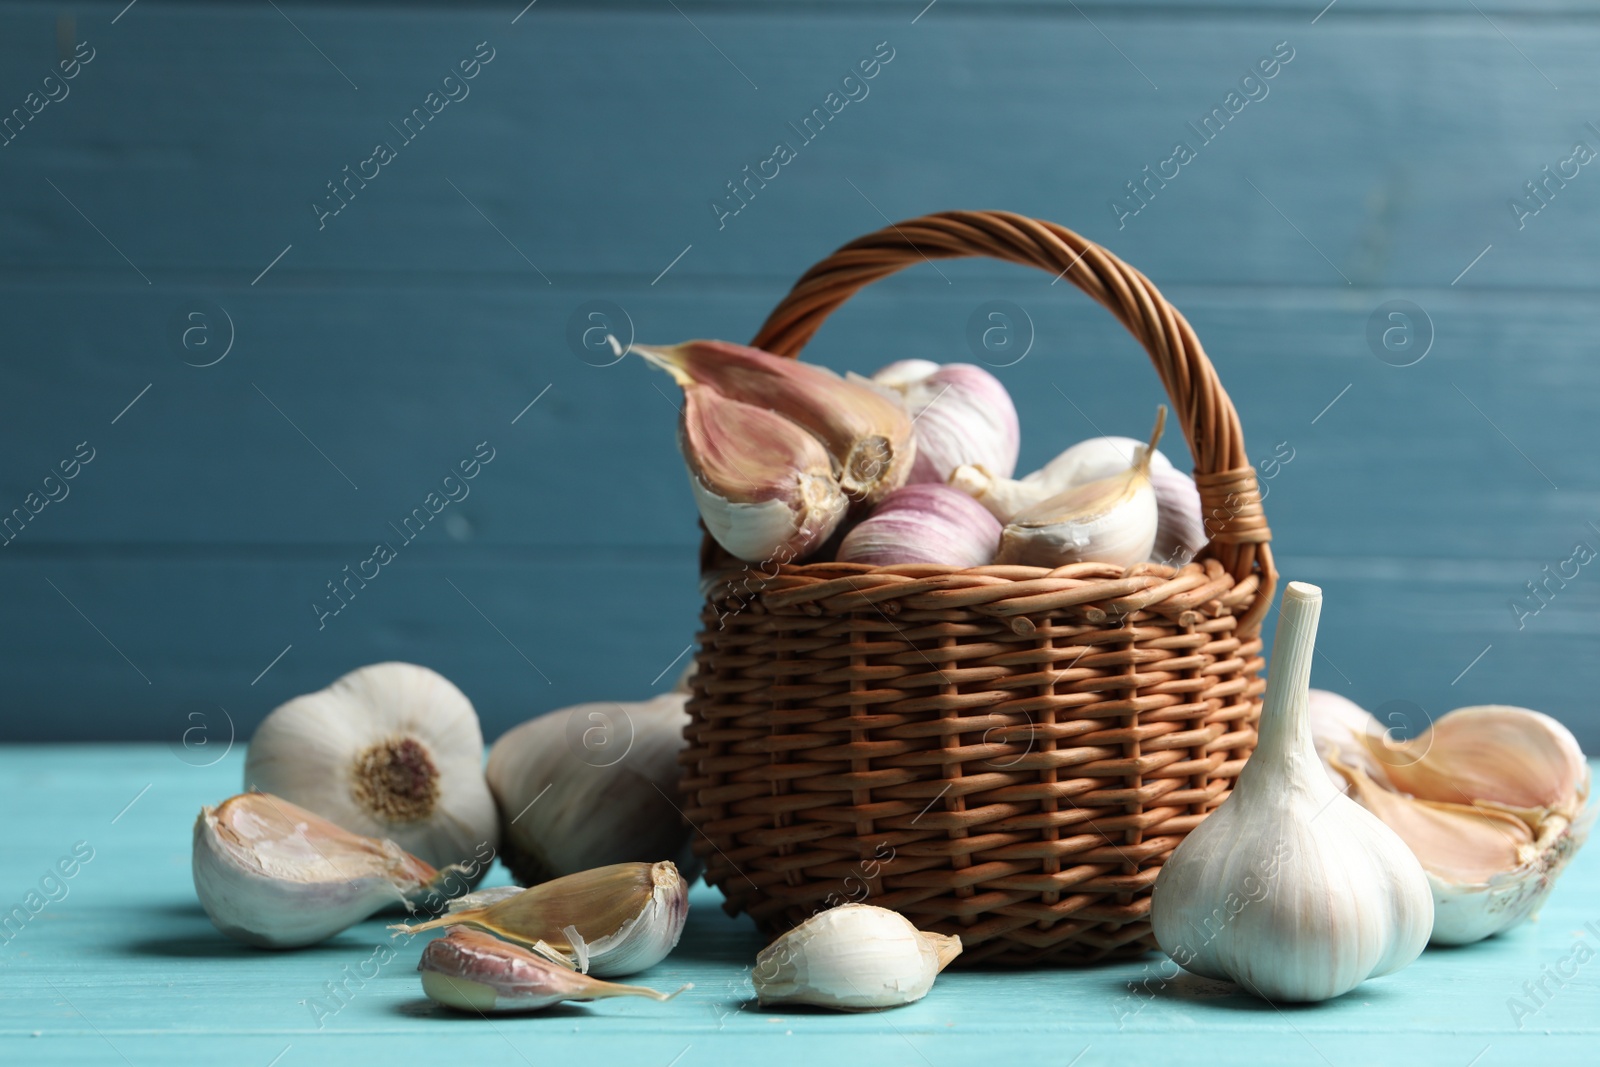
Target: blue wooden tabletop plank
124,968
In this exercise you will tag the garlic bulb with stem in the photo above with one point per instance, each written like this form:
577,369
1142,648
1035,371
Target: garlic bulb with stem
868,435
592,785
390,750
611,921
272,874
473,971
960,414
855,957
1111,520
923,523
1290,888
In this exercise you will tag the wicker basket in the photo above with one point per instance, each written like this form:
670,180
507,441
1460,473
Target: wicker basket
1005,753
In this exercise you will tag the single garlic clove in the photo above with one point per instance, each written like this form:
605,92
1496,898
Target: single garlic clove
924,524
960,414
390,750
1180,527
1340,728
592,785
1085,462
867,434
622,919
473,971
764,486
855,957
1518,759
272,874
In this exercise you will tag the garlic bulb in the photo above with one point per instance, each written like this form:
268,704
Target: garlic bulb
592,785
855,957
764,486
960,414
615,920
391,750
1111,520
272,874
1180,526
1290,888
868,435
1086,461
472,971
924,524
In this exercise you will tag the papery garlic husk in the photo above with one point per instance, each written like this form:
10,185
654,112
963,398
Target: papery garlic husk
765,487
855,957
592,785
960,414
1290,888
611,921
1339,727
390,750
868,435
473,971
1180,526
924,524
1086,461
1111,520
275,875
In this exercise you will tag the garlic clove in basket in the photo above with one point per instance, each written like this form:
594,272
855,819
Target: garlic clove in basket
1111,520
764,486
1180,526
272,874
868,435
590,786
1291,888
1086,461
390,750
924,524
855,957
615,920
960,414
473,971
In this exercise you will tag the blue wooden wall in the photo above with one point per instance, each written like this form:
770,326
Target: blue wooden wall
175,196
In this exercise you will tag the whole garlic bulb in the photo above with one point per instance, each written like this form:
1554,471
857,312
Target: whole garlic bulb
391,750
855,957
960,414
592,785
1290,888
924,524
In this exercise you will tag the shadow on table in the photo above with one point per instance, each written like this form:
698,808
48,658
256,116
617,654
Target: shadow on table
1186,990
423,1008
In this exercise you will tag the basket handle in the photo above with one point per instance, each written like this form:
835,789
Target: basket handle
1230,498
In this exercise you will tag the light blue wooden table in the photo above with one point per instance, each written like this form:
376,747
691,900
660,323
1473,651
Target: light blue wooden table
124,968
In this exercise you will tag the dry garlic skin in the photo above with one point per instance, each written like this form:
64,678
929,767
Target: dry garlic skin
392,750
855,957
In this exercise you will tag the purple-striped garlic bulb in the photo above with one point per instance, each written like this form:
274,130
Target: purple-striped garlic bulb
960,414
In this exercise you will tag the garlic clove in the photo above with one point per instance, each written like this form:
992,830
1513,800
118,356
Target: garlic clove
855,957
272,874
1339,728
960,414
1180,526
1111,520
390,750
868,435
623,918
473,971
764,486
924,524
591,785
1086,461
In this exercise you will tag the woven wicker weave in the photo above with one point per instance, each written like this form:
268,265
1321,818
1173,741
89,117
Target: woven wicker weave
1005,753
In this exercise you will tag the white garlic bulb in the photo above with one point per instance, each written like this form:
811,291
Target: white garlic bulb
391,750
592,785
476,972
272,874
924,523
1180,526
855,957
960,414
1290,888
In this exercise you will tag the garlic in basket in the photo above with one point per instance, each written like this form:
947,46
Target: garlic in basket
855,957
924,524
1111,520
615,920
1086,461
272,874
390,750
592,785
960,414
1290,888
868,435
472,971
